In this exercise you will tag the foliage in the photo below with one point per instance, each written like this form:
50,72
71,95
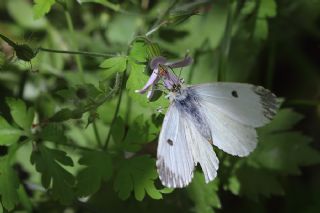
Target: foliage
75,136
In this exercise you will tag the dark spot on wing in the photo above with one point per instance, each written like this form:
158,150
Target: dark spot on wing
170,142
234,94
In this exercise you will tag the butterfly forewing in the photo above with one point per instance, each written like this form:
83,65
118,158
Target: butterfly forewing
174,158
245,103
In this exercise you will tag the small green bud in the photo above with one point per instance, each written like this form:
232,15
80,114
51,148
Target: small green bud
24,52
153,50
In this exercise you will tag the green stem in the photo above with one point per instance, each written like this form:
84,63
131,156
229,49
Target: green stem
225,47
74,43
9,41
116,111
91,54
96,133
24,198
160,21
197,54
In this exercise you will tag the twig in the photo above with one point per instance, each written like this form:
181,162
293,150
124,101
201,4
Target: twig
115,115
91,54
96,133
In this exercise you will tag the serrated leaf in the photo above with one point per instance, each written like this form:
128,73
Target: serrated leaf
118,129
20,114
137,175
98,169
283,150
279,152
284,120
9,184
140,132
42,7
255,182
113,65
139,51
8,134
53,132
204,195
47,161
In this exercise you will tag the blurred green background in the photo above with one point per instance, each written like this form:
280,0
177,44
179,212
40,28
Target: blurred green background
74,137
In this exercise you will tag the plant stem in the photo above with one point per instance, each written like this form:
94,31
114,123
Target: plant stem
115,115
96,133
160,20
91,54
24,198
74,43
225,47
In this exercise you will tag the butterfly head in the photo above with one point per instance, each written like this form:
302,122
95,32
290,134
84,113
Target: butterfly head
162,71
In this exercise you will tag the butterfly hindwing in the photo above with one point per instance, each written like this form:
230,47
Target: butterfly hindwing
202,151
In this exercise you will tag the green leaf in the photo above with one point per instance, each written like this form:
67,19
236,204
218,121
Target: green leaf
98,169
137,174
280,152
20,114
283,150
9,184
118,130
204,195
139,52
234,185
284,120
113,65
22,13
267,9
42,7
140,132
8,134
261,29
53,132
255,182
47,162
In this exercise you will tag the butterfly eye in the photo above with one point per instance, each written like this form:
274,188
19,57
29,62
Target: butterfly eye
234,94
170,142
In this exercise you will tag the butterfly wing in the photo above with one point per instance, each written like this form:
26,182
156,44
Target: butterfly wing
175,162
233,110
180,148
248,104
202,151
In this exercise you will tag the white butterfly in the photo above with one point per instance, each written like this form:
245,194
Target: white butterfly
221,114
